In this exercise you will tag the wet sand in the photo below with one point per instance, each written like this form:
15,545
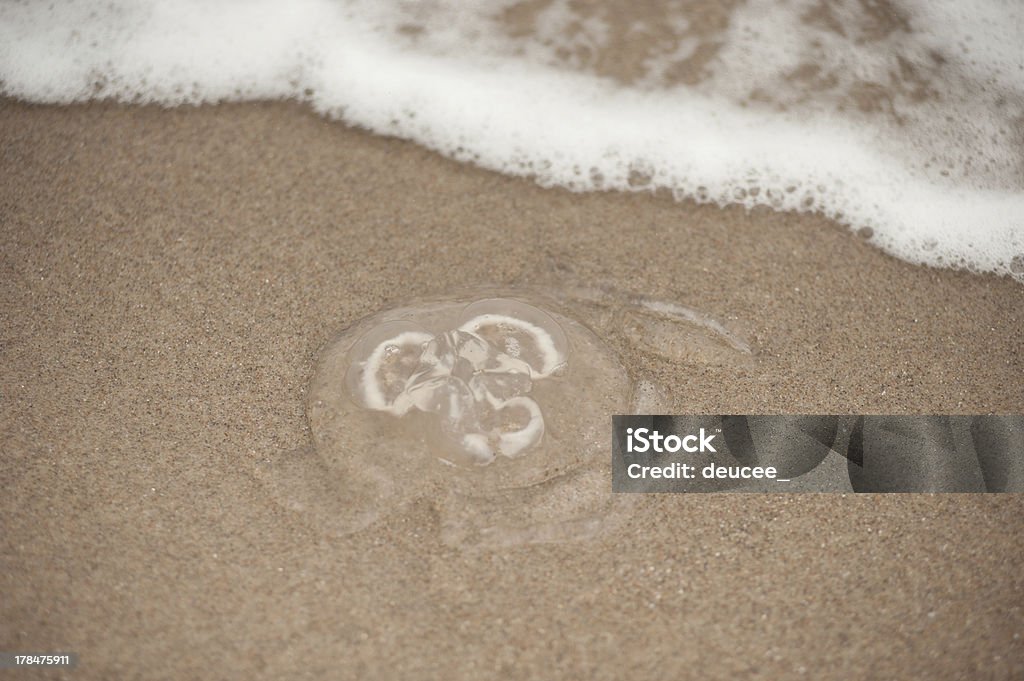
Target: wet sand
169,277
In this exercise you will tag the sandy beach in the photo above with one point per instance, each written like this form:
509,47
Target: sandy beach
169,278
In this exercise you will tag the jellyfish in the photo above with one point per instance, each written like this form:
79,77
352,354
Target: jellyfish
497,410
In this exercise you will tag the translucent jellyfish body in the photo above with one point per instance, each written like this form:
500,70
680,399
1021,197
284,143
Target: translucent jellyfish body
495,410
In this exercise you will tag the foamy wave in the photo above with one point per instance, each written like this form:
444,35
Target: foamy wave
901,118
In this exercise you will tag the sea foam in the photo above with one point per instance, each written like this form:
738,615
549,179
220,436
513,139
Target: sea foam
904,120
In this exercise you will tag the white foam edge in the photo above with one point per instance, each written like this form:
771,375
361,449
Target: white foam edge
562,129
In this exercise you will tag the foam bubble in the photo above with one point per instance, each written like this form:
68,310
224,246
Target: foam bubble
901,117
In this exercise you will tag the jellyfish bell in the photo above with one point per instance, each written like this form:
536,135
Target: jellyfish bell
476,398
494,409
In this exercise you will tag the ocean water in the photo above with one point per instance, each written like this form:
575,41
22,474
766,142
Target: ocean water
903,120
